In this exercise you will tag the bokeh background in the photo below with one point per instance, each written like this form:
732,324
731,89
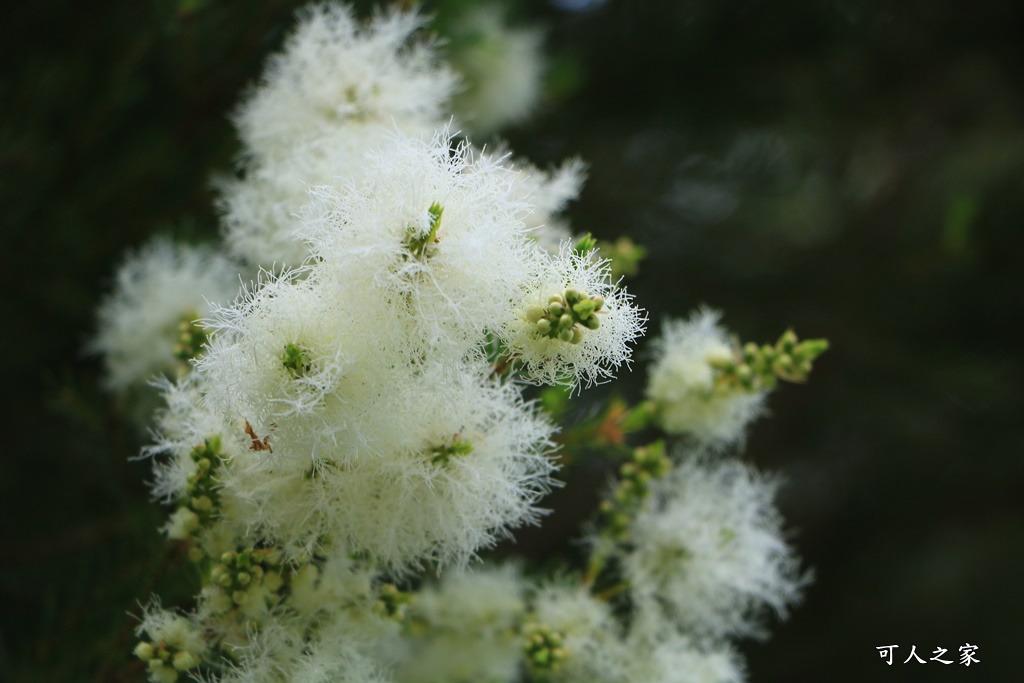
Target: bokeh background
852,168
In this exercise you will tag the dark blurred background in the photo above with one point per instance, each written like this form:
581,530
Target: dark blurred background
852,168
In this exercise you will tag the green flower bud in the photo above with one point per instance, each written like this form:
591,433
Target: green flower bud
272,581
577,336
565,335
556,309
812,348
573,295
183,661
543,325
534,313
144,651
584,308
565,321
592,323
163,674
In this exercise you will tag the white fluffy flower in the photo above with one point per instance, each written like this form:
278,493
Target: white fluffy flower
260,211
336,650
170,643
434,235
182,424
681,382
674,659
279,352
590,635
659,653
334,92
437,469
471,634
158,288
333,72
585,355
501,67
708,549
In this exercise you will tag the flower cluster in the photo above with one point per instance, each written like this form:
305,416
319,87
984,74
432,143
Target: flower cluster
358,413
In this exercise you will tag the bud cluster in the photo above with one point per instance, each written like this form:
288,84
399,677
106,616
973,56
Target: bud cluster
544,650
191,338
198,503
391,602
566,315
165,661
250,569
756,368
635,476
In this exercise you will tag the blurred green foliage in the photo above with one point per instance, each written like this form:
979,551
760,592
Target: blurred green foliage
851,168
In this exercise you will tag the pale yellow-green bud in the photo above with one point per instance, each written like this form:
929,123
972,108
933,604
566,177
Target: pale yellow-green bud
592,323
585,308
161,673
783,363
788,340
565,335
183,661
144,651
272,581
577,336
534,313
243,579
565,321
556,309
543,325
